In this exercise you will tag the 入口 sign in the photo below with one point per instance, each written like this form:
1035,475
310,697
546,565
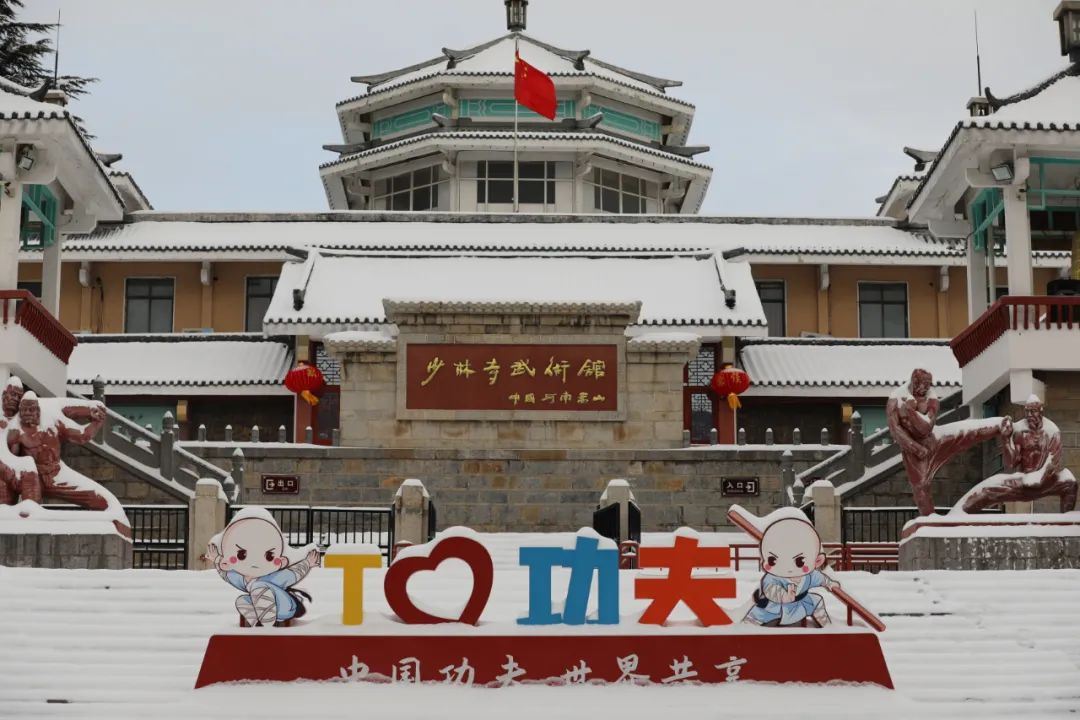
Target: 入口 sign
740,487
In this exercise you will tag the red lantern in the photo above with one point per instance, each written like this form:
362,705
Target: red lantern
306,381
730,382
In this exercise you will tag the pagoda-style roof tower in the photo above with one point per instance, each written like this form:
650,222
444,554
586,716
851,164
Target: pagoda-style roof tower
439,135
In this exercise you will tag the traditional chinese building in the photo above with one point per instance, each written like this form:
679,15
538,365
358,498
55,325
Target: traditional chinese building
421,280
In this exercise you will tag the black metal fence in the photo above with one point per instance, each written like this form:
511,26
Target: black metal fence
159,536
325,526
880,524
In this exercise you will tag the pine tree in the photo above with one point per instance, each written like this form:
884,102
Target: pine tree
26,50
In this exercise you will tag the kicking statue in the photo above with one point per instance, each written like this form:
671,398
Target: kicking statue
791,558
32,431
912,412
1032,456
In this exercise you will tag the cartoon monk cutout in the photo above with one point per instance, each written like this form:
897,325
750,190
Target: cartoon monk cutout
251,555
791,558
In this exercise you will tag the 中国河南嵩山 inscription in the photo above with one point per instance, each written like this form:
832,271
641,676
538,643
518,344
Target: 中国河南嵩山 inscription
565,378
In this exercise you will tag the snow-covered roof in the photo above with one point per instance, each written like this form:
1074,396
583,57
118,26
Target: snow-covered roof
830,367
347,292
1051,105
17,105
525,139
188,364
496,57
228,236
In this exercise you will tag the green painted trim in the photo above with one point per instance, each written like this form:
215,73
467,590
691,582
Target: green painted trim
403,122
988,206
1042,192
625,122
42,203
504,108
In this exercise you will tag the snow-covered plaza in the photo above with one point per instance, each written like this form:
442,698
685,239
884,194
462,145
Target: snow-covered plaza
128,644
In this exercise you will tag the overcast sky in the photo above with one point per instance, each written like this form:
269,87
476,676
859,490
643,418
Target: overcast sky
225,104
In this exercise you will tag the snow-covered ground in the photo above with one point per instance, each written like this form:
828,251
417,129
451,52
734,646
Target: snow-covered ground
102,644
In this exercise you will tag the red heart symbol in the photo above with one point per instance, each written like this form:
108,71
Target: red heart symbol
475,556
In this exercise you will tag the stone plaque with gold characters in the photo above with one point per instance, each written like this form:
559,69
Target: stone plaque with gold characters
489,377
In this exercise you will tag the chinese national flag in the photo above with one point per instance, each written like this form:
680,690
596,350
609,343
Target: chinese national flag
533,89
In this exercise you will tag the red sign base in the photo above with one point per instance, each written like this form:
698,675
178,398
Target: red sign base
803,656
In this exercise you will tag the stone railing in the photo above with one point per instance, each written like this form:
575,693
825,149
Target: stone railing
1038,312
20,307
863,463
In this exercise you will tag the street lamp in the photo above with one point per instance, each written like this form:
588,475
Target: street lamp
515,15
1067,17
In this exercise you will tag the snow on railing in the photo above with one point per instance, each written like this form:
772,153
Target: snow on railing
20,307
1036,312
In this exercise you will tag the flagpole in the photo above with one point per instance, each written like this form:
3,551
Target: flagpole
516,204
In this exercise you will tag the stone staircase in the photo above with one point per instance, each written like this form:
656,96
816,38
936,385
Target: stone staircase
869,461
157,459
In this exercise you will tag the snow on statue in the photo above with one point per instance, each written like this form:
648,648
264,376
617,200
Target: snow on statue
791,558
1032,455
912,412
251,555
32,430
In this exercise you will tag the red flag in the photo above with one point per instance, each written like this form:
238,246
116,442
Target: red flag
533,89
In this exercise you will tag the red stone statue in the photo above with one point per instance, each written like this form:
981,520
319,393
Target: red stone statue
1031,453
32,431
912,413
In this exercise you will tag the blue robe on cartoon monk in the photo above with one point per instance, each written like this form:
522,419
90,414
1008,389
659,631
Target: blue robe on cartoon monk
768,606
278,582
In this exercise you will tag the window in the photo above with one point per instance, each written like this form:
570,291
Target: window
34,286
495,183
883,311
259,292
148,305
615,192
771,293
699,410
416,190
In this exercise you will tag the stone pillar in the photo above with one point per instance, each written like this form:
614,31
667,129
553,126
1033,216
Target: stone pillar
787,478
206,518
976,282
236,477
857,457
10,219
411,513
827,511
165,448
618,493
50,277
1018,240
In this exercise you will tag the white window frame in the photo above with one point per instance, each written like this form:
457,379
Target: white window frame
387,176
469,171
620,170
907,306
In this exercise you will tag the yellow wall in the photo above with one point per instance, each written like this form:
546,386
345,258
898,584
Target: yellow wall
800,290
100,308
835,312
230,288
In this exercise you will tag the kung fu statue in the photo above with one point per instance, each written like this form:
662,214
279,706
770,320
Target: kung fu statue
1032,456
32,431
1031,450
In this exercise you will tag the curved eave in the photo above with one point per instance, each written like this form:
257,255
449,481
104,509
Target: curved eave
982,130
74,151
437,82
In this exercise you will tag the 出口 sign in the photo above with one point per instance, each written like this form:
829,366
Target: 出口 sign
560,378
281,484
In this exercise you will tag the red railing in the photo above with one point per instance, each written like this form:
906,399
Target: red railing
22,308
1038,312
